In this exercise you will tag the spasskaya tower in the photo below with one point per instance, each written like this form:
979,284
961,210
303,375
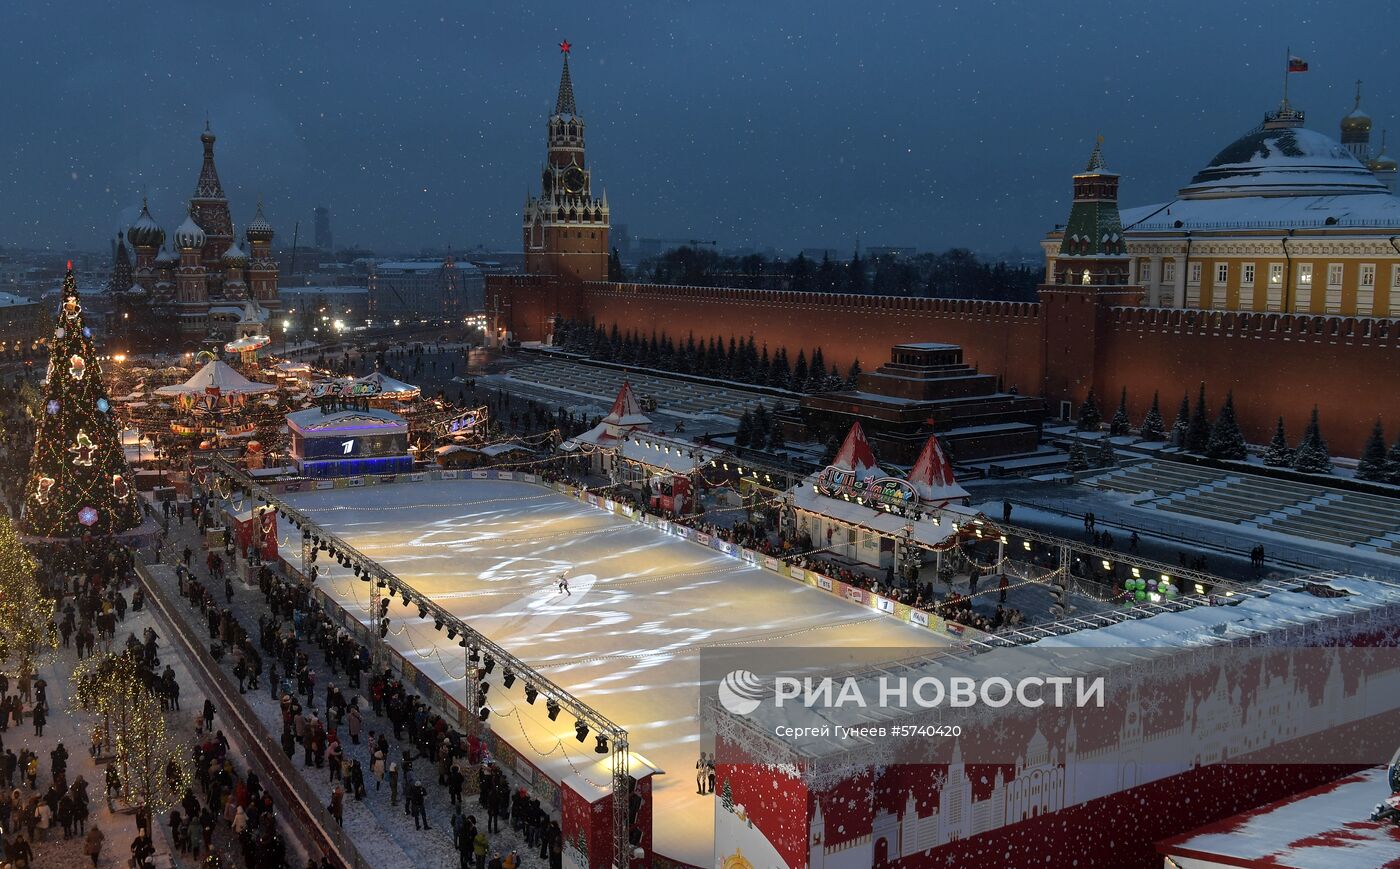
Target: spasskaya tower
565,228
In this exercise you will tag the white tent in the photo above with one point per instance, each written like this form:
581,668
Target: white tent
219,379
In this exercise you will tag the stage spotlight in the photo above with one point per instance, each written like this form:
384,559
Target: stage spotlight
473,655
437,625
483,688
580,730
383,607
508,679
383,628
490,664
451,632
406,599
531,692
462,642
552,707
357,569
383,583
422,611
483,713
602,746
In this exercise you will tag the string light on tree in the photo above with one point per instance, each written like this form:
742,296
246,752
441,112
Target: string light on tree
72,489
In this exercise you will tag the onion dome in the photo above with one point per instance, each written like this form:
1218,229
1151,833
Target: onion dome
1357,122
145,232
189,236
259,229
1382,162
166,255
235,257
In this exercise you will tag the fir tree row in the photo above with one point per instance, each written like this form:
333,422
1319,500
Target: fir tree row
739,359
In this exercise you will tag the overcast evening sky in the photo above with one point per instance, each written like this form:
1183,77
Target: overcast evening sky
790,124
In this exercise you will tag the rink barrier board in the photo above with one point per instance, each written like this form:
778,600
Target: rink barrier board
853,593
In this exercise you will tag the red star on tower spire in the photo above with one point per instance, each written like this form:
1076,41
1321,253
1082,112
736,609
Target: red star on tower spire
565,46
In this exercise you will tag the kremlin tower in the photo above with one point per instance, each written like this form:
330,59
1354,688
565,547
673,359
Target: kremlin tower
566,228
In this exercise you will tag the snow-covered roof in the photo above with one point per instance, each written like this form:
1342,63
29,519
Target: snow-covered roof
1375,209
626,408
855,455
670,454
932,475
935,531
1282,161
390,387
313,421
9,299
1324,828
216,375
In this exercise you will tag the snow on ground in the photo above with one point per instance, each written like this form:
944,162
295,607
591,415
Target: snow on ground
626,641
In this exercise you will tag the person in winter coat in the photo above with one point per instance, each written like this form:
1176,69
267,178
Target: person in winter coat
393,784
92,845
479,849
338,805
353,721
376,768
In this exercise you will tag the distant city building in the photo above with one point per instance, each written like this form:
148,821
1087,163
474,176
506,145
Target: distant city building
424,289
23,325
323,239
350,305
1284,219
817,254
887,252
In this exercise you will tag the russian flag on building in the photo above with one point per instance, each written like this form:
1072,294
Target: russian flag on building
1297,64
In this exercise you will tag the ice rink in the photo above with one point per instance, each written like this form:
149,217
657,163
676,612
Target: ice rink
643,606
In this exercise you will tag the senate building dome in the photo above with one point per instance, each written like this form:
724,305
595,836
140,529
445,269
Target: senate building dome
1282,161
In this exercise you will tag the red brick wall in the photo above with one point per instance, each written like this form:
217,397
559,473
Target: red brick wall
1001,338
1275,363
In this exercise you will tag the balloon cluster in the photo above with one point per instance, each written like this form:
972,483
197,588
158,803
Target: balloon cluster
1140,590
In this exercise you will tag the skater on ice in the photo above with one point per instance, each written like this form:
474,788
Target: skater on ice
564,583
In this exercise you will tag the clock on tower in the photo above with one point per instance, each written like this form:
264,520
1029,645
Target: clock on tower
565,228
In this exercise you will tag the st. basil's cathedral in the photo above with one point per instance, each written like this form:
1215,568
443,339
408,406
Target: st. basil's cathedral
204,286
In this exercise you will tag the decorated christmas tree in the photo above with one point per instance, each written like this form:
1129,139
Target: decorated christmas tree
79,482
27,632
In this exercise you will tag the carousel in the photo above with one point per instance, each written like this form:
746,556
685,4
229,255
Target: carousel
219,403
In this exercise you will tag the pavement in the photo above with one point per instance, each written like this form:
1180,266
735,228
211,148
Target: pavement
384,834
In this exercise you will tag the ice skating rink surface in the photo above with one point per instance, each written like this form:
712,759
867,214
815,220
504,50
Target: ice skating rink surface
643,605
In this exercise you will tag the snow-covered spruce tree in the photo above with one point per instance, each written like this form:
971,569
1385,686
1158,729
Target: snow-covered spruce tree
1153,429
1182,424
1372,464
775,437
1392,463
1077,460
1119,425
745,432
1198,432
853,374
1312,456
1105,457
1226,441
1089,416
1278,454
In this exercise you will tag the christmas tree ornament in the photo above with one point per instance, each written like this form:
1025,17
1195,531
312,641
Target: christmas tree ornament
72,490
83,450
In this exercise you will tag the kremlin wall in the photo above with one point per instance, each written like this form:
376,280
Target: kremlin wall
1286,199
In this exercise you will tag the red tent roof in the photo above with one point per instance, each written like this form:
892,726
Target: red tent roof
855,454
932,475
626,409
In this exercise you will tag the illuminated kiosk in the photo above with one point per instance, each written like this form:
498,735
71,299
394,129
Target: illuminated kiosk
856,510
343,437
